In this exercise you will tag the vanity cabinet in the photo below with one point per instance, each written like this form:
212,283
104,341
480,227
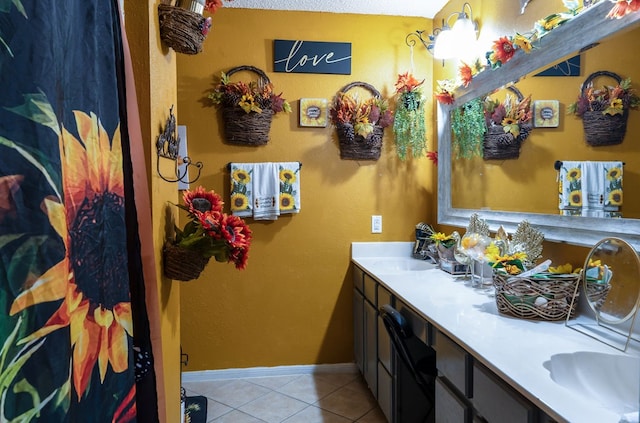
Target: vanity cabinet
466,391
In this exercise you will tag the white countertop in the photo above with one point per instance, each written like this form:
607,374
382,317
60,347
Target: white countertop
516,349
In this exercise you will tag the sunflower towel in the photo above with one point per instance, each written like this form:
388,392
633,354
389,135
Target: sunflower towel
279,183
591,188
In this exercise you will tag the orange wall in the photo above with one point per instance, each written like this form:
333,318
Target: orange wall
292,305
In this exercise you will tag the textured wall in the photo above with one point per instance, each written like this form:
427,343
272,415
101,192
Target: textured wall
292,305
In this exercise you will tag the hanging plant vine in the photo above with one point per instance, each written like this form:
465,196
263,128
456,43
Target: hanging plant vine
468,126
409,123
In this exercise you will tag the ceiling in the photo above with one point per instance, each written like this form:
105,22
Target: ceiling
421,8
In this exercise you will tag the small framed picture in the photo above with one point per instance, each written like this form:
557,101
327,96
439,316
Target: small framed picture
546,113
313,112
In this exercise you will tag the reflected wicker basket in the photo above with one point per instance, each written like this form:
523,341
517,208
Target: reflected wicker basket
603,129
536,298
182,264
240,127
500,145
352,145
181,29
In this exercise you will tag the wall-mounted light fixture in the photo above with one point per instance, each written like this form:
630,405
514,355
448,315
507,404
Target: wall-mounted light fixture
451,41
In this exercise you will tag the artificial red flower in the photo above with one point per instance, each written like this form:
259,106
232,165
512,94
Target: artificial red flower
503,50
623,8
466,74
406,82
433,156
444,97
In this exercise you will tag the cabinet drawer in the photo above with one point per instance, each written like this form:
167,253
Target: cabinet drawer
358,278
496,401
450,408
417,323
385,392
370,289
454,363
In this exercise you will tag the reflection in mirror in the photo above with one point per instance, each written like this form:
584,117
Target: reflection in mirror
505,192
611,288
611,281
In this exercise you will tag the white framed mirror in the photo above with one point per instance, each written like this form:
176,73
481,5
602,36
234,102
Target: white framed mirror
580,32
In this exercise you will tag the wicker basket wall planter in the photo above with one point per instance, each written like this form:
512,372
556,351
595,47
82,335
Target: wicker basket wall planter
182,264
501,145
354,146
181,29
247,124
602,129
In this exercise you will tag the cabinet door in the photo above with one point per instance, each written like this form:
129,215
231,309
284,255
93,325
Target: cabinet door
496,401
371,347
358,329
450,408
385,392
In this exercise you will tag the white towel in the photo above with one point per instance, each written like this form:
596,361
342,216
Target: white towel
613,172
241,193
592,186
266,191
289,175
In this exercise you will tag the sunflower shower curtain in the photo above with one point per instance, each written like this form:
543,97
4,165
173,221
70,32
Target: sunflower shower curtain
74,331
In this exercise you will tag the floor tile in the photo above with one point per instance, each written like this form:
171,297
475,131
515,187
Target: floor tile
374,416
308,388
234,393
348,401
273,407
216,409
337,379
313,414
236,417
273,382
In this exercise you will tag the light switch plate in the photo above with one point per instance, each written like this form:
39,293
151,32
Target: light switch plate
376,224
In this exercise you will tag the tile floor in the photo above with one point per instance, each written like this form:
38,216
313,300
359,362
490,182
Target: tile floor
306,398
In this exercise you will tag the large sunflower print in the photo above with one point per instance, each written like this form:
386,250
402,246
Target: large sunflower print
92,279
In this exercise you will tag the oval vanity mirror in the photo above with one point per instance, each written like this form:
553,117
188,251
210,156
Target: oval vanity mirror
611,280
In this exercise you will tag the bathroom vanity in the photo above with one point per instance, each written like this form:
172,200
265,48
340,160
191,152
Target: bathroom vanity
491,367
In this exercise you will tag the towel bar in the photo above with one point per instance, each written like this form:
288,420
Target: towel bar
558,164
229,166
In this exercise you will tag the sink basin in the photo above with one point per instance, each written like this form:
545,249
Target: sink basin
611,380
395,264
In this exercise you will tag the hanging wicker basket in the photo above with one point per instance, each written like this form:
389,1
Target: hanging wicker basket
500,145
181,29
240,127
602,129
352,145
182,264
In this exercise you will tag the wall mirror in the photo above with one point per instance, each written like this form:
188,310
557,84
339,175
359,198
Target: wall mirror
557,45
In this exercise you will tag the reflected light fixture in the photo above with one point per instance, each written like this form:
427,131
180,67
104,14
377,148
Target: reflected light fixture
451,41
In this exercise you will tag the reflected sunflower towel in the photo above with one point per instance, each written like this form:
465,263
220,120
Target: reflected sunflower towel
570,185
613,185
289,176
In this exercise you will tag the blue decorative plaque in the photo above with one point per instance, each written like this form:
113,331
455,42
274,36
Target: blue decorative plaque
570,67
296,56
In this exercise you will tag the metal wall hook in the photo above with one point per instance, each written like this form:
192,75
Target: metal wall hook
168,147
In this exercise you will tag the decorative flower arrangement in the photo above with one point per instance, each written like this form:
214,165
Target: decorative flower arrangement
408,123
444,92
622,8
210,232
253,97
362,114
513,115
446,241
610,100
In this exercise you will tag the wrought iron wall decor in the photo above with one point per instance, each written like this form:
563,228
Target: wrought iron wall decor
168,146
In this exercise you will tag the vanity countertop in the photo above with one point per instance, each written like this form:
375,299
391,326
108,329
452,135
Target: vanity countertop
518,350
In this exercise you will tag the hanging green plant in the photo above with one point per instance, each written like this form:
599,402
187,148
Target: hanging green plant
408,124
468,127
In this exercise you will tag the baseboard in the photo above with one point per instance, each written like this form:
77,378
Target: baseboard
207,375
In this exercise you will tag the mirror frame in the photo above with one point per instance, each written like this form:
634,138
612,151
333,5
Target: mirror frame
574,35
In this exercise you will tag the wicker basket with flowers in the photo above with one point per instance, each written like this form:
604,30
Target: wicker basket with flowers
360,122
605,111
508,125
247,109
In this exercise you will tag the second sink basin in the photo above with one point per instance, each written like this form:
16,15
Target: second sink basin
608,379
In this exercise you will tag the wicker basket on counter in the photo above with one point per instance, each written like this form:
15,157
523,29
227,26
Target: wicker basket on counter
536,298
